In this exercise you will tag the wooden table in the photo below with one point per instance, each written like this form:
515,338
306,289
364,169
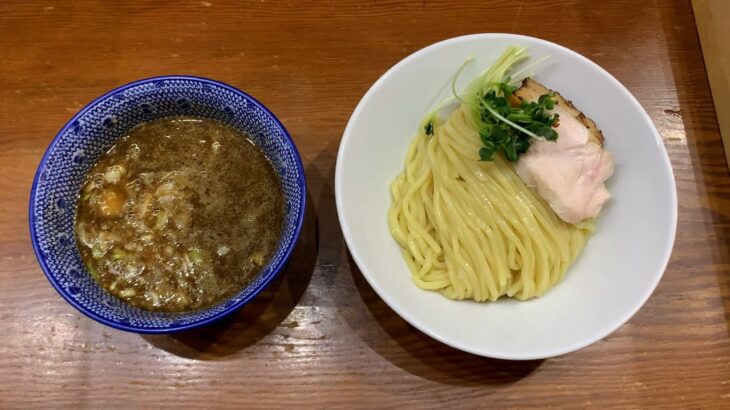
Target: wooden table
320,337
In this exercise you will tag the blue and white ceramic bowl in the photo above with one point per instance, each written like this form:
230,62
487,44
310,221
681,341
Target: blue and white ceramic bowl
91,132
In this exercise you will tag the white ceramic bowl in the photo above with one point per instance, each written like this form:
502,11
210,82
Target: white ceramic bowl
611,279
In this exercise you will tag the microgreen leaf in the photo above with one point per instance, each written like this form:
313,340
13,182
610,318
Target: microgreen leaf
429,127
486,154
509,129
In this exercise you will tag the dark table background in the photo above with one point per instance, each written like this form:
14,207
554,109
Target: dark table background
319,336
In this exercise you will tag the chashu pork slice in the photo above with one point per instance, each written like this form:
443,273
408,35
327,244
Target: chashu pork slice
569,173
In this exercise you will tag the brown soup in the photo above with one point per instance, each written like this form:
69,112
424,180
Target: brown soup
180,214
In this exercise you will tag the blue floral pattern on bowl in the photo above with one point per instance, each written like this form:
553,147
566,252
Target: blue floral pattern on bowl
92,132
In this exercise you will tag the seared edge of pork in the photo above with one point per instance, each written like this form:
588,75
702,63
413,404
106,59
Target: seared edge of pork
531,90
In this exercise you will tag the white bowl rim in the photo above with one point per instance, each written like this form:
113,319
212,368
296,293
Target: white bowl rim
393,304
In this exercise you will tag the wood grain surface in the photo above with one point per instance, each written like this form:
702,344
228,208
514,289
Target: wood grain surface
319,337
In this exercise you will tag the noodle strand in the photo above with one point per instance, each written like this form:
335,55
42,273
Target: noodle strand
472,229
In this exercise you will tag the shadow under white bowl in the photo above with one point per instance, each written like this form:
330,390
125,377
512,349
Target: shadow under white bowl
618,269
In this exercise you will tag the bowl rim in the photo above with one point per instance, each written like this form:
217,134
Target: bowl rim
434,333
274,271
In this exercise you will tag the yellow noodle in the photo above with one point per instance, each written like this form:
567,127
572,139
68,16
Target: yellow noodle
471,229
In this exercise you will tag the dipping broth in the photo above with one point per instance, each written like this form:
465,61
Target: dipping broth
180,214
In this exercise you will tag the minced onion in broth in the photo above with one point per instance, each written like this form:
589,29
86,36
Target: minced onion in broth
180,214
